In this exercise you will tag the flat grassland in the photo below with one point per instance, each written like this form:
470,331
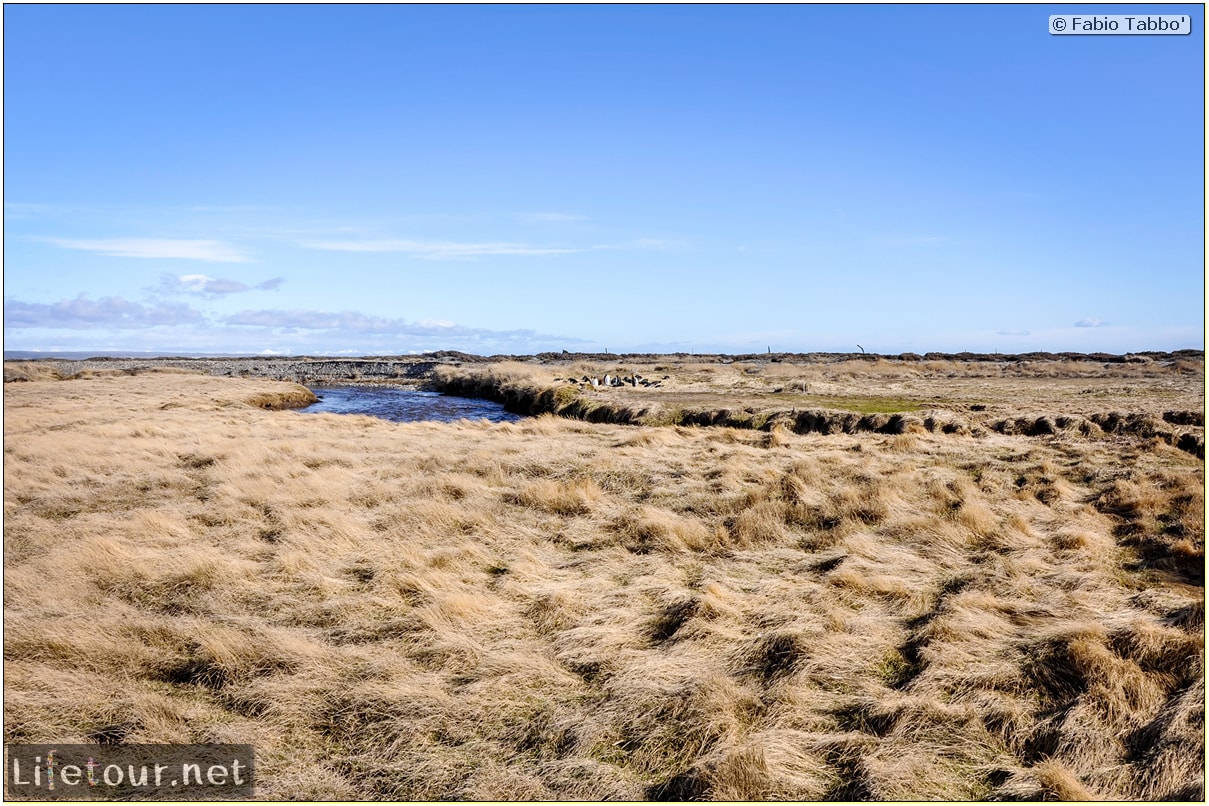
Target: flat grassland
561,609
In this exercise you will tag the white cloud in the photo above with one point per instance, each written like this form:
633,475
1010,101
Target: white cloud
437,250
86,314
158,248
313,320
81,324
206,285
1091,321
329,329
195,282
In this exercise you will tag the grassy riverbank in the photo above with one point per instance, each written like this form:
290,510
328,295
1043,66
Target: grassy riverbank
1164,402
559,609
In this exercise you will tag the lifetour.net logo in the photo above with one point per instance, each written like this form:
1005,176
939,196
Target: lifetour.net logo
128,772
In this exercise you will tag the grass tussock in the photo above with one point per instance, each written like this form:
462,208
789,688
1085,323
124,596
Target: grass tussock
576,497
294,396
1162,516
20,371
556,609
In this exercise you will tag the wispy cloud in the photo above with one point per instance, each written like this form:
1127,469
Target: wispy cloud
656,244
1012,333
1091,321
206,285
21,211
146,327
158,248
314,320
108,312
452,250
438,250
425,334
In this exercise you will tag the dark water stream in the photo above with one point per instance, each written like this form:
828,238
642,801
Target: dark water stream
402,405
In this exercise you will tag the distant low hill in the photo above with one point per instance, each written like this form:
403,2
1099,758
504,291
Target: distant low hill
454,355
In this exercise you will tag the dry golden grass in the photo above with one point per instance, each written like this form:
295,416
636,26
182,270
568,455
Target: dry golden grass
1163,401
554,609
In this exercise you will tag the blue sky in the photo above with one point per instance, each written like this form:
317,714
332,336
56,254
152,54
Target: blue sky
390,179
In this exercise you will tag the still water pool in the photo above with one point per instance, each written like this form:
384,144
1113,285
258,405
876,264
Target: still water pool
405,405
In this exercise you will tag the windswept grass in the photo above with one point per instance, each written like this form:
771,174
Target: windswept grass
560,609
291,396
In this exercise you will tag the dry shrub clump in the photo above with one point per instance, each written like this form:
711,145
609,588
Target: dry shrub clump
559,610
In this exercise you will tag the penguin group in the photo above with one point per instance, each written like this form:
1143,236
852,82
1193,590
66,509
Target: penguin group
634,380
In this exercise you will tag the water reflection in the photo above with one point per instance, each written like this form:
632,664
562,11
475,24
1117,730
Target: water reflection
402,405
